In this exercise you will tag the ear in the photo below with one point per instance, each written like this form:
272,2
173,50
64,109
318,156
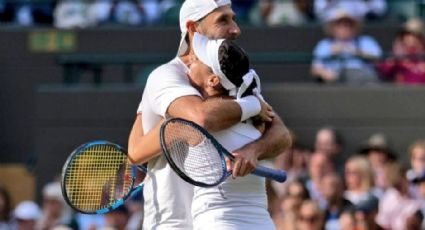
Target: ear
192,26
213,81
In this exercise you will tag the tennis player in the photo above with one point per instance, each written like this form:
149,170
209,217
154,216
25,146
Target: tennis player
221,68
168,92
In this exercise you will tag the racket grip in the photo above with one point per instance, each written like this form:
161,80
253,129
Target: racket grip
274,174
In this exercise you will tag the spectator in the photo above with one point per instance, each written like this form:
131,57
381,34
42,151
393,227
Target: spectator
396,205
417,161
5,209
7,12
55,212
128,12
117,219
242,9
378,152
288,209
365,214
310,216
333,190
294,162
362,9
330,142
282,12
27,213
345,56
419,181
318,166
347,220
71,14
406,65
358,179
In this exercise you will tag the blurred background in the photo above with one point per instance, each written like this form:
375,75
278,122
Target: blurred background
346,76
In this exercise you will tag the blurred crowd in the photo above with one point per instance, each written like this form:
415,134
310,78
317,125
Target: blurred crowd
54,213
88,13
328,188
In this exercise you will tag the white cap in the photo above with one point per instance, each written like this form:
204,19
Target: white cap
207,51
27,210
194,10
53,190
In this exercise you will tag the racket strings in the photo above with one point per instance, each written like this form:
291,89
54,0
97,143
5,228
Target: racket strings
97,177
194,154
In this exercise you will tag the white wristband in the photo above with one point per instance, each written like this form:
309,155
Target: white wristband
250,106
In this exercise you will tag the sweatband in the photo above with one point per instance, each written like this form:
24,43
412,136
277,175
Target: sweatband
250,106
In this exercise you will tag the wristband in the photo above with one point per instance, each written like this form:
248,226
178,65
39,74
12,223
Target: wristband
250,106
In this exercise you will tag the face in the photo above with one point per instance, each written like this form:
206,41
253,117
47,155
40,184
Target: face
344,29
309,217
219,24
418,160
296,194
353,176
198,74
52,206
377,158
331,187
325,142
412,44
26,224
319,166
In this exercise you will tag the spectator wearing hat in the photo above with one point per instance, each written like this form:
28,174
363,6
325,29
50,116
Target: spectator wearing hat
55,211
378,153
346,55
406,63
27,213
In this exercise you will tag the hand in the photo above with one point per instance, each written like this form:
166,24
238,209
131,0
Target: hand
245,162
266,114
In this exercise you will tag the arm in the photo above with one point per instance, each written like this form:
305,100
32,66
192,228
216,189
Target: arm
142,148
274,141
213,114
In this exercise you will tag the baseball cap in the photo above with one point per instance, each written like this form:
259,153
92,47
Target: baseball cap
194,10
27,210
340,13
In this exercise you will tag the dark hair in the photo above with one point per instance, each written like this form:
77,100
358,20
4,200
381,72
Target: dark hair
234,63
4,194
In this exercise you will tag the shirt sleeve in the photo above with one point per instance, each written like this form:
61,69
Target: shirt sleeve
166,85
321,51
370,46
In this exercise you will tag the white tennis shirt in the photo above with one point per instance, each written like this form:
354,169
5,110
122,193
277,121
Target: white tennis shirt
167,197
236,204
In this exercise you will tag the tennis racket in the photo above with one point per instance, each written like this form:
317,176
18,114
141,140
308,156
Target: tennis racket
197,157
98,177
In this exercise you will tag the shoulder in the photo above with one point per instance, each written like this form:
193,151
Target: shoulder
366,39
173,71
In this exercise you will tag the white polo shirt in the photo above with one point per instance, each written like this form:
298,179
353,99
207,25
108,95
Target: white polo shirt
168,198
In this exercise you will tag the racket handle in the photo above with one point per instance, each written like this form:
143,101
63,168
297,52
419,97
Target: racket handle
274,174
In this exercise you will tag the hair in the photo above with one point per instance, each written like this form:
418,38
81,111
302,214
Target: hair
417,144
234,63
5,195
362,164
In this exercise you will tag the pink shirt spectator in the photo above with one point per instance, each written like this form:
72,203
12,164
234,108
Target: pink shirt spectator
394,210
